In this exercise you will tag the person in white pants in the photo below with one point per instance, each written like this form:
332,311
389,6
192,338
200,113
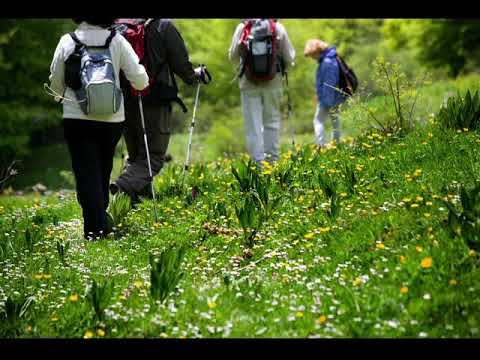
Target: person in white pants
327,82
261,101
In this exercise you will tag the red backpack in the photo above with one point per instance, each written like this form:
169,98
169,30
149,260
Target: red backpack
258,50
134,31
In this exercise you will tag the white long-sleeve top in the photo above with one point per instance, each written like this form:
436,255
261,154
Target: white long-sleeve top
286,51
123,58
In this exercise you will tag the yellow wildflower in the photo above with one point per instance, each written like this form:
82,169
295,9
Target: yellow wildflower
403,258
419,248
453,282
88,334
211,304
101,332
325,229
426,263
299,314
404,290
73,298
309,235
357,281
419,198
380,246
415,205
322,319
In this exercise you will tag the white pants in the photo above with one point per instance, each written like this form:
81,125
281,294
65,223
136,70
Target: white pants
261,113
319,124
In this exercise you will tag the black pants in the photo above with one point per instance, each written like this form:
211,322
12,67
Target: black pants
92,146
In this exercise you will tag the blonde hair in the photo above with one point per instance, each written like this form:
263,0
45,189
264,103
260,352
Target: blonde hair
313,47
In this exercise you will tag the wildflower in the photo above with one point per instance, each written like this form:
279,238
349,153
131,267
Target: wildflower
357,281
325,229
471,252
343,194
88,334
406,200
73,298
381,157
419,198
309,235
211,304
430,135
404,290
101,332
453,282
426,263
429,203
322,319
299,314
403,258
417,172
54,318
419,248
414,205
380,246
138,284
427,215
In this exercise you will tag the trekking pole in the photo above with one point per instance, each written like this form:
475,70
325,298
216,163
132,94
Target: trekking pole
140,105
192,124
289,112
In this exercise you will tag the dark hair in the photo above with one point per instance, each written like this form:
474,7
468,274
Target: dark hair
95,20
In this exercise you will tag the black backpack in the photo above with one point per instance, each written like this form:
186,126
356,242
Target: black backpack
348,80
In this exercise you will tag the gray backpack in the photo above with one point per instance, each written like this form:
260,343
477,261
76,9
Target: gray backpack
93,79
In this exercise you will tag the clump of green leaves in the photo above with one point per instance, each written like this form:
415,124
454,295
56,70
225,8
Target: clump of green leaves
250,217
166,272
461,112
119,207
13,311
99,296
246,175
467,222
329,188
62,249
351,179
32,236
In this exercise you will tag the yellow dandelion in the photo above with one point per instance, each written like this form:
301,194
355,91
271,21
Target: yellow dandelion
343,194
101,332
427,215
138,284
406,199
211,304
357,281
419,198
380,246
299,314
471,252
404,290
322,319
419,248
88,334
429,203
309,235
414,205
54,318
38,276
73,298
426,263
403,258
325,229
453,282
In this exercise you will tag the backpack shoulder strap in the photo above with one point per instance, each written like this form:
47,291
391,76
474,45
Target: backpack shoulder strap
75,38
109,38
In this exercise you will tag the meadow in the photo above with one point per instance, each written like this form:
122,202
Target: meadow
377,236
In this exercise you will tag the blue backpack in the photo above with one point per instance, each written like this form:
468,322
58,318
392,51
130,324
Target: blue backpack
90,73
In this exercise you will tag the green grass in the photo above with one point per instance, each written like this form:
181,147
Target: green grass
387,265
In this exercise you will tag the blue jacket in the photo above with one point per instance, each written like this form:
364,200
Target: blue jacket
328,71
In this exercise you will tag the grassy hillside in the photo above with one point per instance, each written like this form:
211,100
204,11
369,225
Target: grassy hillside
353,241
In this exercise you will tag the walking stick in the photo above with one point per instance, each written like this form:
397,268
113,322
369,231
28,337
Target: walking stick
192,124
140,105
289,111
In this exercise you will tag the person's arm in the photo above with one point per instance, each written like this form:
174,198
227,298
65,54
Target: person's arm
233,52
287,51
57,70
177,54
330,77
130,65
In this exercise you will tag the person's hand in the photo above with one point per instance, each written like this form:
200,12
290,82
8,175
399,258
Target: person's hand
202,74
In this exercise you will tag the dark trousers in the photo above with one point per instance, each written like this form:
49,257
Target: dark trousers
92,146
135,177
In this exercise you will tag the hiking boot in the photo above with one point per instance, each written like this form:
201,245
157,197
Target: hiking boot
146,192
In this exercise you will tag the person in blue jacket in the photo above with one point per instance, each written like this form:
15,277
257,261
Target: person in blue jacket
328,93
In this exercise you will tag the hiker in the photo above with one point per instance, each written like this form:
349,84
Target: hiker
329,96
165,55
93,128
264,51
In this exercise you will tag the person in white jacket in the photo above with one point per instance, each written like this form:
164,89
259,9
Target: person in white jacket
261,101
92,139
